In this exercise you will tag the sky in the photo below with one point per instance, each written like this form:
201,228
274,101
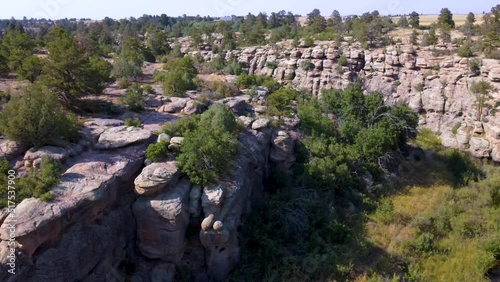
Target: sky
98,9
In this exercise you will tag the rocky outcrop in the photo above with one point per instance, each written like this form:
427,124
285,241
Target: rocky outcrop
436,86
282,150
86,230
197,227
162,222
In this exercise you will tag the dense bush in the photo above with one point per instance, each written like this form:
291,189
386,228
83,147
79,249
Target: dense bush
279,103
207,151
37,184
136,122
5,96
182,126
246,81
179,77
157,152
465,50
223,89
35,117
134,98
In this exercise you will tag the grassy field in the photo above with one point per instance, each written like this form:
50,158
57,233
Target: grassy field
443,232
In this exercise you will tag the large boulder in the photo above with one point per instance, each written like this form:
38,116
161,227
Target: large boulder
162,222
176,106
11,149
282,150
260,124
156,177
193,107
238,105
480,147
122,136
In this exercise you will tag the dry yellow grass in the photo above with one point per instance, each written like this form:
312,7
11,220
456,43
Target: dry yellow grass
426,20
418,201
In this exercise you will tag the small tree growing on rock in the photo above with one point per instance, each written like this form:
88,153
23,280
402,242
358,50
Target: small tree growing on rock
207,151
279,102
481,90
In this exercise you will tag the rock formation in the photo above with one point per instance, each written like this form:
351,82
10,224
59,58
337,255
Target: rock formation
107,214
434,85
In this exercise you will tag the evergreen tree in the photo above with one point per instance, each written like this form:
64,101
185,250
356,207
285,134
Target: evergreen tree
414,20
446,18
403,22
316,23
70,72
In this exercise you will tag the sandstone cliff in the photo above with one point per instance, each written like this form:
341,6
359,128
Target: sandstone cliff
109,221
432,84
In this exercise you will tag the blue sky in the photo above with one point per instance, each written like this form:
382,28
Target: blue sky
98,9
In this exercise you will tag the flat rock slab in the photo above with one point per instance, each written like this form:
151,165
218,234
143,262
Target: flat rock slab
89,186
104,122
122,136
56,153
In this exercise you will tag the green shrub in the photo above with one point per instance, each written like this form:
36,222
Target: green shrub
180,77
271,84
181,126
134,98
223,89
306,65
5,96
36,118
245,81
157,152
279,102
455,128
271,65
123,83
385,211
343,61
425,243
308,42
465,51
474,66
159,76
148,89
419,87
462,167
495,196
233,67
206,151
136,122
37,184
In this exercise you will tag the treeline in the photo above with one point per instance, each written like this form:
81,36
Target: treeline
156,34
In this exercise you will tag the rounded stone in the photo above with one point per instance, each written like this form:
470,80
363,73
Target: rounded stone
218,225
207,223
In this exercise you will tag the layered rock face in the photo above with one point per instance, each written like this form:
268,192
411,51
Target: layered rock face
88,229
195,227
436,86
112,221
